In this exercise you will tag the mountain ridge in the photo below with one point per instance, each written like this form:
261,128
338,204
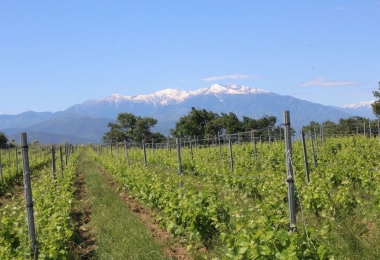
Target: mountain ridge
167,106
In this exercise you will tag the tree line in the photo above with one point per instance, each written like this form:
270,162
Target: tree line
198,122
346,126
5,142
207,124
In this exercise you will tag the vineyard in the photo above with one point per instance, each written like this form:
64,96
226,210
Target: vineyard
11,166
226,196
244,208
52,200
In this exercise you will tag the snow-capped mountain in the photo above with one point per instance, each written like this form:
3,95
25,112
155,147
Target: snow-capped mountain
365,104
175,96
363,109
168,105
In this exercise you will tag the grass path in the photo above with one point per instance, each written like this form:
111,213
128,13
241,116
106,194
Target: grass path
119,234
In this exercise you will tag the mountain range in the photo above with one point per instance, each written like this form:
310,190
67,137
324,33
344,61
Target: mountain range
86,122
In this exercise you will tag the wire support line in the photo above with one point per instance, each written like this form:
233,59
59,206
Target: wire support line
234,176
213,174
341,167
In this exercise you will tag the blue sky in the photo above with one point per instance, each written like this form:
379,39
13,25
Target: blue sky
54,54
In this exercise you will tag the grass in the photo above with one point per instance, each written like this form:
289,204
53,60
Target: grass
119,234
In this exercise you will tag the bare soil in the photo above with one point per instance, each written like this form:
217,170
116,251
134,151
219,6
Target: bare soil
83,243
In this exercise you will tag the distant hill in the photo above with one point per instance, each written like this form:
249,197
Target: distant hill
25,119
88,121
49,138
62,128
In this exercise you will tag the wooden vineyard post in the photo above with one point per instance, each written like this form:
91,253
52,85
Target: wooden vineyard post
16,160
179,161
61,159
305,156
220,148
28,194
231,157
66,153
144,151
254,144
322,133
316,140
126,152
1,169
191,150
289,171
53,161
312,149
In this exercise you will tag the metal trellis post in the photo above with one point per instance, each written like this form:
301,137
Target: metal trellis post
289,171
28,194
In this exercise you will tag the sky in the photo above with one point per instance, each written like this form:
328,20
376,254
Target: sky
54,54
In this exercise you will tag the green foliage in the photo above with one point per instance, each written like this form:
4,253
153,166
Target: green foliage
376,104
11,174
264,122
349,126
158,137
130,127
206,124
230,122
52,200
119,233
3,139
246,212
197,123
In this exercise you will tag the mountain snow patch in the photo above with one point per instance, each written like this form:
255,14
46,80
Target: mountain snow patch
173,96
364,104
